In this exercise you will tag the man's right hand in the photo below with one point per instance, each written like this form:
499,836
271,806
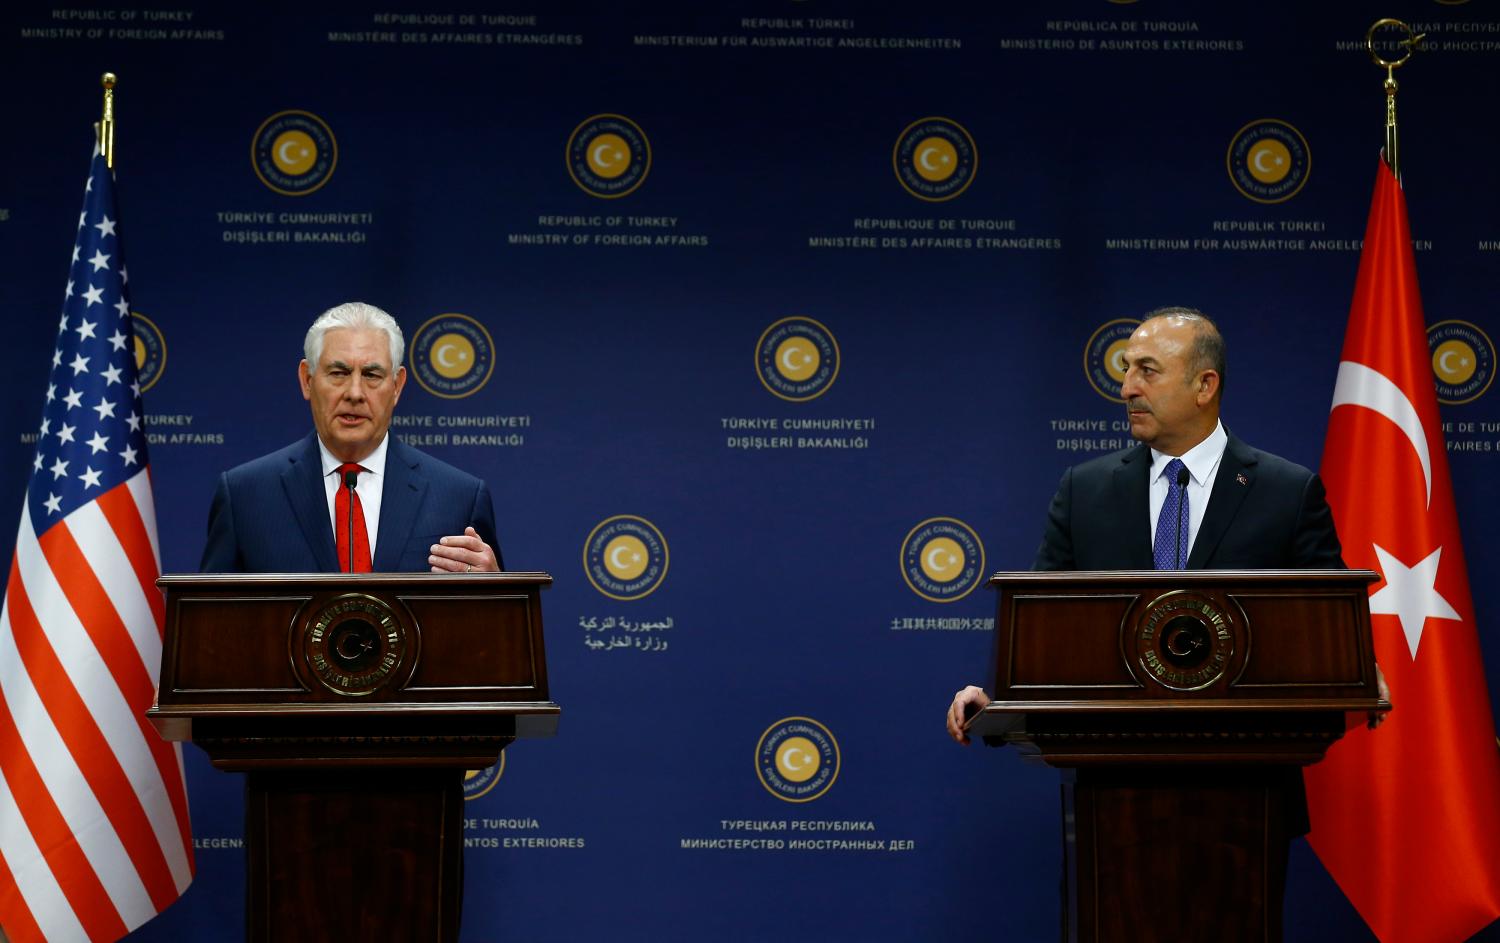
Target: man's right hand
966,703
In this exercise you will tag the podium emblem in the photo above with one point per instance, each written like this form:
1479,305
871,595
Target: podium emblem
354,644
1183,640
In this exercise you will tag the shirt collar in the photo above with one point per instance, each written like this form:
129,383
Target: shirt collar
1201,459
373,464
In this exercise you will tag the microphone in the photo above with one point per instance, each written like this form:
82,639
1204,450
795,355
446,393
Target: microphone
351,478
1182,483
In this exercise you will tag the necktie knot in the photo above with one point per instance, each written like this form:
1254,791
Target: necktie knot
1175,468
348,467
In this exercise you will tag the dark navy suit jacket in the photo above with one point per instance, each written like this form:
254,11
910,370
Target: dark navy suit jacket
270,515
1264,513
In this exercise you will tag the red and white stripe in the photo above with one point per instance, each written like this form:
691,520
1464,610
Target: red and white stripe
94,835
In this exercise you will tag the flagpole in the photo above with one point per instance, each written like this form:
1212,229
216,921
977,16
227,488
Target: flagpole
104,129
1412,41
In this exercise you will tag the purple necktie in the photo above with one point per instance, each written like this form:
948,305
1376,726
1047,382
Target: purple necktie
1169,549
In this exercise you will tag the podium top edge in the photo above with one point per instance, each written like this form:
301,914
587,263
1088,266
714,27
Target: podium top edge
1181,577
335,580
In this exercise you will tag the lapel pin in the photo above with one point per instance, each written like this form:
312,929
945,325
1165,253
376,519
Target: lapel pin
1242,479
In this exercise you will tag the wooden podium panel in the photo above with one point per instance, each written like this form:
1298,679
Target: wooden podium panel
1182,706
355,703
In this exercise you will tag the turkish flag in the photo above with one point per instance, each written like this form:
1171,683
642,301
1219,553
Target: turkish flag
1406,817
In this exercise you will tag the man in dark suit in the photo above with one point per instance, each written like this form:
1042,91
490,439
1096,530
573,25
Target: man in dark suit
1189,496
400,510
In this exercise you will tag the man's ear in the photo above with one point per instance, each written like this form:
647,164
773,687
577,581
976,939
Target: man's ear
400,379
304,376
1208,387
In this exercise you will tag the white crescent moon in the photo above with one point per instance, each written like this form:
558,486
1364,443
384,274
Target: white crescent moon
922,158
598,155
1358,385
786,759
785,354
932,559
441,355
1255,159
614,557
1443,360
281,152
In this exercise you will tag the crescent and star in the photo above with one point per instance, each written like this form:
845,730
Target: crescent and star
1410,592
598,154
282,155
933,556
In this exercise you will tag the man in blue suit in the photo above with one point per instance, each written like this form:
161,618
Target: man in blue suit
1236,507
402,510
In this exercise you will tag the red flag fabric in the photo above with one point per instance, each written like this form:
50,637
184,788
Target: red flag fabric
94,837
1406,817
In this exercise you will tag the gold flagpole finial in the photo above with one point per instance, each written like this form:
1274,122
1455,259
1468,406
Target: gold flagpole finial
104,130
1412,42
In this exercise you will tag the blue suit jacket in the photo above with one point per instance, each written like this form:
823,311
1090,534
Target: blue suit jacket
1265,513
270,515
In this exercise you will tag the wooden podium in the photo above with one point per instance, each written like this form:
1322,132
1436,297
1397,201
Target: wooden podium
355,704
1182,705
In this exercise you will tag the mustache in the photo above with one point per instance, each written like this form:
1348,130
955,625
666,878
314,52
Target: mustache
1138,405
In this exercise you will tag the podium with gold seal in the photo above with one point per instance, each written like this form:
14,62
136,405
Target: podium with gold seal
1182,706
354,703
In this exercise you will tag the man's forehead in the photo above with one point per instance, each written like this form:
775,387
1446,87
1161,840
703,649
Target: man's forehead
365,346
1164,333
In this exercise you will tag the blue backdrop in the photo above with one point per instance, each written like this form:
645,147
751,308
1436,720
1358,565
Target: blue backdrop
765,286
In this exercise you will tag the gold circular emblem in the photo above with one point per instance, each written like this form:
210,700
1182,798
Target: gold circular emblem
354,645
1183,640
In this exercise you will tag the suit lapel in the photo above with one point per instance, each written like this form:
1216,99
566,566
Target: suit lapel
1132,493
400,498
302,480
1234,480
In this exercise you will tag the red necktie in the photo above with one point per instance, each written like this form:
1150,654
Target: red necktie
341,511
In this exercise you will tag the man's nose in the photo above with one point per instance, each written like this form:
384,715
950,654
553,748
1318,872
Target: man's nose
355,389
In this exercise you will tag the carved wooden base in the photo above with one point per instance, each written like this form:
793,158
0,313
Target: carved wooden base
354,854
1178,856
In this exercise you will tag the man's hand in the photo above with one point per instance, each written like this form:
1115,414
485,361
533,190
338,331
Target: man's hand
1378,717
966,703
465,554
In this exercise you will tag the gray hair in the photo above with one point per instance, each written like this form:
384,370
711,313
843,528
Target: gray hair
1208,343
354,314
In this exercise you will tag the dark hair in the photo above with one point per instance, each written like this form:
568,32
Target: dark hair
1208,343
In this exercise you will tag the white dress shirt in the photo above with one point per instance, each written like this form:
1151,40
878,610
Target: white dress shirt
370,486
1202,461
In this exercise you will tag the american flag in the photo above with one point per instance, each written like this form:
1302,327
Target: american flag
94,834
